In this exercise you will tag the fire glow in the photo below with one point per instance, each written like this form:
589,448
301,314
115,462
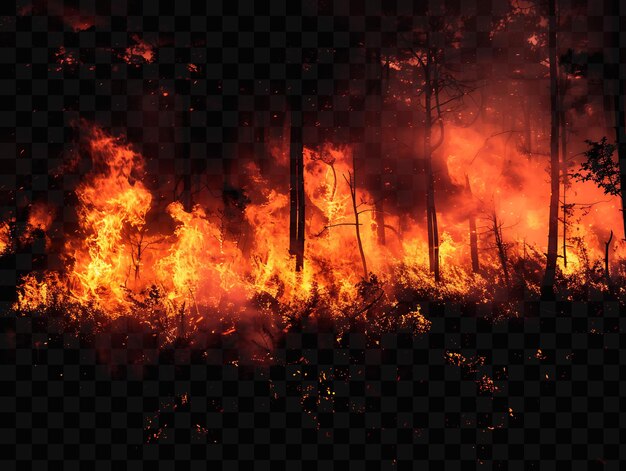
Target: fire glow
120,259
488,193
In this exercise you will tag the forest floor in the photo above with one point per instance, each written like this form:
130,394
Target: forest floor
475,388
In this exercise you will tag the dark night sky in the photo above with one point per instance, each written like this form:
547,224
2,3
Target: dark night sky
249,57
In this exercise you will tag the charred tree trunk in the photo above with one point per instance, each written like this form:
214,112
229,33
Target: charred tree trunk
431,213
296,186
617,89
473,235
497,233
620,132
606,258
184,137
607,274
374,90
379,209
379,206
564,178
293,188
352,184
547,288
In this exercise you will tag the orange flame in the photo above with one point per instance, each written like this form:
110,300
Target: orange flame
192,264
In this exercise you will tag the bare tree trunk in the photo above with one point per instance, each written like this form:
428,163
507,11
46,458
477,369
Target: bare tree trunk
138,256
547,288
617,87
293,188
621,146
473,235
620,134
374,95
296,187
352,184
607,274
185,132
606,258
565,224
379,211
497,233
431,213
563,124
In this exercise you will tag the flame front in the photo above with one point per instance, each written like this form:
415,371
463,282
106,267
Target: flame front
125,257
111,214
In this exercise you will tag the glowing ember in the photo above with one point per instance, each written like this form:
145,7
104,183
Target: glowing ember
5,237
65,58
138,53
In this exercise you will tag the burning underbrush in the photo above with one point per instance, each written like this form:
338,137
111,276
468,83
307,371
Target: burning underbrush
184,273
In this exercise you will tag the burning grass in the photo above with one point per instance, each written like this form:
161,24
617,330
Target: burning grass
151,276
189,271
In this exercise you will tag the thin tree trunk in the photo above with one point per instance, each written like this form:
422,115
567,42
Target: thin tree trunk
565,224
435,233
617,91
379,211
547,288
296,188
606,258
374,95
431,213
293,186
607,274
497,232
301,214
473,235
358,235
620,134
563,124
428,169
186,151
352,185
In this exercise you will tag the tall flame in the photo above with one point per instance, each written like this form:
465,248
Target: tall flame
193,264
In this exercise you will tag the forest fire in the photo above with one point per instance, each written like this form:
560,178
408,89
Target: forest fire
325,230
133,254
455,201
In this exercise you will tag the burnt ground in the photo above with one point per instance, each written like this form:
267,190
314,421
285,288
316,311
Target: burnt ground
322,399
